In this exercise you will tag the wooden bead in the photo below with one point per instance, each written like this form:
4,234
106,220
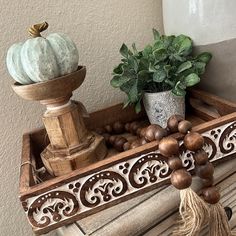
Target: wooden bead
143,141
168,131
160,133
173,121
127,127
134,126
208,182
118,127
100,130
205,171
193,141
143,132
200,157
211,195
184,126
126,146
119,142
150,132
138,131
112,139
169,147
135,144
181,179
106,137
108,129
175,163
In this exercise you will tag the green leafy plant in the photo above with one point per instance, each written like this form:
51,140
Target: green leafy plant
166,64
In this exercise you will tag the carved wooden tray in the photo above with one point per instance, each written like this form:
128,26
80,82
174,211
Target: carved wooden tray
61,200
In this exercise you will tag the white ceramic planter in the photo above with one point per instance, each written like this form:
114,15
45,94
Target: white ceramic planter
211,25
206,21
160,106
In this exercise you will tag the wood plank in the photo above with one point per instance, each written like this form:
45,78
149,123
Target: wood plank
93,223
228,198
153,209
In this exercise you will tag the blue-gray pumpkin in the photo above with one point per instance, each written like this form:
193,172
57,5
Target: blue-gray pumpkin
40,59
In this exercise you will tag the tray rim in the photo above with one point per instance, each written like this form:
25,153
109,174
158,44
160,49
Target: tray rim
61,180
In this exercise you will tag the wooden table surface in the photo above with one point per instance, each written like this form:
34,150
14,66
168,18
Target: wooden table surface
153,213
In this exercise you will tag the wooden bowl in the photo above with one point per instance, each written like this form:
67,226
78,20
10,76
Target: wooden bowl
51,89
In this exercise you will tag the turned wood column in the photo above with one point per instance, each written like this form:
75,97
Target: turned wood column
65,126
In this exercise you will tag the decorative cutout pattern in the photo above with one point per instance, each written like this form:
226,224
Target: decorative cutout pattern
119,180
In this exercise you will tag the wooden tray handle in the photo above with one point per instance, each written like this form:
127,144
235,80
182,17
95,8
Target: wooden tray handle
222,106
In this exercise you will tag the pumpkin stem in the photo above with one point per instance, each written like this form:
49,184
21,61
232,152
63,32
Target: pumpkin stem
35,30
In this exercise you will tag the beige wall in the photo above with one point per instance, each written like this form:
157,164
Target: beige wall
98,28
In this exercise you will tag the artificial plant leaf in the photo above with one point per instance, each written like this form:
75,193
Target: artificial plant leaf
124,60
179,89
118,81
118,70
167,69
147,51
182,45
138,106
143,64
126,103
133,93
159,75
169,82
156,34
152,67
124,51
125,87
191,80
199,67
134,48
160,54
133,63
167,40
143,75
204,57
184,66
177,57
158,45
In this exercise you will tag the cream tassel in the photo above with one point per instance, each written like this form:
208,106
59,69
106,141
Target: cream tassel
194,214
219,225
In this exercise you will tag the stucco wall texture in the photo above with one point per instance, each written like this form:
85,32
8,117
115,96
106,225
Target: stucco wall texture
98,28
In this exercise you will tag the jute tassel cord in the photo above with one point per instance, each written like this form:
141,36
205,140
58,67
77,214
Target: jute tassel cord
194,214
218,224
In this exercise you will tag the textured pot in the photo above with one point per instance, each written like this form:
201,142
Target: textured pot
160,106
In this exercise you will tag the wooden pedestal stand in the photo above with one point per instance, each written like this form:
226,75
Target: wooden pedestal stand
71,146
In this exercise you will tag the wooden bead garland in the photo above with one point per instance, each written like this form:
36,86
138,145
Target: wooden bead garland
194,210
145,134
180,177
194,141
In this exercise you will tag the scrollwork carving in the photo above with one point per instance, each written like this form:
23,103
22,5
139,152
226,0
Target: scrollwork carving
52,207
227,139
148,169
102,187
